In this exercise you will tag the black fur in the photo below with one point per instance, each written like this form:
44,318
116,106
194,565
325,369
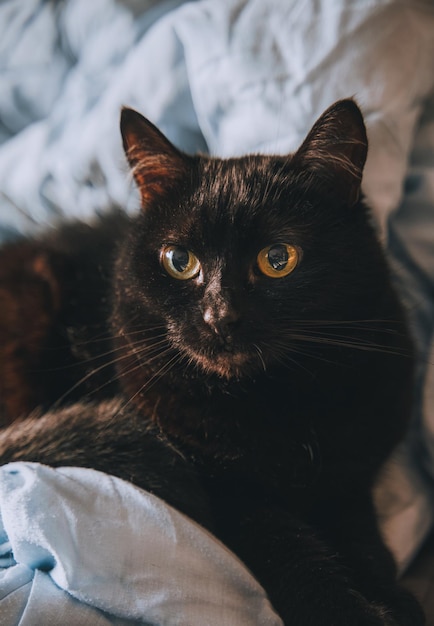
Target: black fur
262,407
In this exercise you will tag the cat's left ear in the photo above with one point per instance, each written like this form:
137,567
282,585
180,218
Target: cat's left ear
156,164
335,150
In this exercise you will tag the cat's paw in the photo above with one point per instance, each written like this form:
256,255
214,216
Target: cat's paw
405,610
351,608
402,610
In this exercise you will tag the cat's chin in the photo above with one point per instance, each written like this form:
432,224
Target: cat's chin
225,365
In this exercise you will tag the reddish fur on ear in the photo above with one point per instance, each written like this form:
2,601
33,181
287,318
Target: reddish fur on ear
336,149
156,164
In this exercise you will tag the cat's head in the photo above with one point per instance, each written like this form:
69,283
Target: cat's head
232,259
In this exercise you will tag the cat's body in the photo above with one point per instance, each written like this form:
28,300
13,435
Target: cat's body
263,364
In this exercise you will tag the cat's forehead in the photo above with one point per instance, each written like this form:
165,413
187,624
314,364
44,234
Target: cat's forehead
248,178
242,189
233,205
248,196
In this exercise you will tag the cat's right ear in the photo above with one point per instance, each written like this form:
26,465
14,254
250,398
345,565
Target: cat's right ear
156,164
335,150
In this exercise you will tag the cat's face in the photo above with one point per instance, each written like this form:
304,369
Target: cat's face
235,259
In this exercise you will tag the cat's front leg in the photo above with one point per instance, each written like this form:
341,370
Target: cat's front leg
111,437
306,579
352,529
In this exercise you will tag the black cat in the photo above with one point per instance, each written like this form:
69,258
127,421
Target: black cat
258,361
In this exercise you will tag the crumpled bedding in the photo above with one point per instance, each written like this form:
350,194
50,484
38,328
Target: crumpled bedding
148,563
227,77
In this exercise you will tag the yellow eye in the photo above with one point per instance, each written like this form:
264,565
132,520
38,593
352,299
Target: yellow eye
179,262
278,260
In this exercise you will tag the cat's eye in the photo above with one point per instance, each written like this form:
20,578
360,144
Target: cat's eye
278,260
179,262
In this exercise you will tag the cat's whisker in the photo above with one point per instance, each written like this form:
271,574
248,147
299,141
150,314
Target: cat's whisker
155,377
312,354
104,335
85,378
361,323
107,332
280,352
357,335
350,342
142,330
97,370
147,347
153,353
364,326
285,359
126,372
330,332
261,358
109,335
137,345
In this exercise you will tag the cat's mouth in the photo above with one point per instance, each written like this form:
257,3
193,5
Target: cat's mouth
223,355
226,364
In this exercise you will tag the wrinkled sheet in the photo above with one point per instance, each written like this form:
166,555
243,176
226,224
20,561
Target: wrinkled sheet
229,77
80,547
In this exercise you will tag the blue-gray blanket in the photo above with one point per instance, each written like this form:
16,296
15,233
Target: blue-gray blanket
227,77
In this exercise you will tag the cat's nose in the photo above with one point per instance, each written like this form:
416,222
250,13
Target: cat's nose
221,319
